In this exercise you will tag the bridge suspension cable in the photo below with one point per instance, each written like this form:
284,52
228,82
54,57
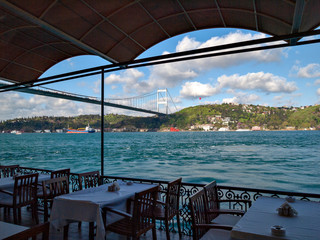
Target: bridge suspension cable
148,103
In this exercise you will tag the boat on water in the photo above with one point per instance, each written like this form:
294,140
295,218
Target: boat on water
16,132
88,129
172,129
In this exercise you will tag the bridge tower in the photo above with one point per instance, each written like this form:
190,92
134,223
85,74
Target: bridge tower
162,99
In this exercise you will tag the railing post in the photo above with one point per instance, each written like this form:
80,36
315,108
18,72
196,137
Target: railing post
102,122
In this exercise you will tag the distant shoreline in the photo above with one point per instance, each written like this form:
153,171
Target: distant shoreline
164,131
280,130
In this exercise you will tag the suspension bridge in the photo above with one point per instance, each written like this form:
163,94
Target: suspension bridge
158,102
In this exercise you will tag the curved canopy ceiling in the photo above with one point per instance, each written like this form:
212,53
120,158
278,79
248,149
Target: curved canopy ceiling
36,34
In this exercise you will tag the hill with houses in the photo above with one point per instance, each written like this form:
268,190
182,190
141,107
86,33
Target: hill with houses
213,117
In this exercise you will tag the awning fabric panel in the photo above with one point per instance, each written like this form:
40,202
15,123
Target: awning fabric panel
36,34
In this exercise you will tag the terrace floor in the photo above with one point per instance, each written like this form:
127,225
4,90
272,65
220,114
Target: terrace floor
74,233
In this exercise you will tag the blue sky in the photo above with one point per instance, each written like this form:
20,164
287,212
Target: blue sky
278,77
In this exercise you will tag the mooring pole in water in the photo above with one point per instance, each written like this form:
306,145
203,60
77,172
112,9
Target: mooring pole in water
102,122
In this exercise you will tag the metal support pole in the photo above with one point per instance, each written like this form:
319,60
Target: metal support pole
102,122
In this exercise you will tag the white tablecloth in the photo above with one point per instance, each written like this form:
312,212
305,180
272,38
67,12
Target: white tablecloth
258,220
9,229
8,183
86,205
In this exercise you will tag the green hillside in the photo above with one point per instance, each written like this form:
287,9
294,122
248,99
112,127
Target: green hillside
305,118
215,116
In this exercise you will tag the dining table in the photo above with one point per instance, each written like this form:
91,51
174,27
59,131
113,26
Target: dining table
86,205
262,220
9,229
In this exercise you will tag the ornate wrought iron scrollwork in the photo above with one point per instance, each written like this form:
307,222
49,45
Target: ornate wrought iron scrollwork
187,189
74,181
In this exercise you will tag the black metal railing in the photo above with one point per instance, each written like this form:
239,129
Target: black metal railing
188,189
26,170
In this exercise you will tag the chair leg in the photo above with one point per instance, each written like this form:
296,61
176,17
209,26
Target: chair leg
91,230
166,223
65,232
154,233
35,212
19,215
179,226
15,219
45,211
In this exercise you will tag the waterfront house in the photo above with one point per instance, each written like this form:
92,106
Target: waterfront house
223,129
207,127
256,128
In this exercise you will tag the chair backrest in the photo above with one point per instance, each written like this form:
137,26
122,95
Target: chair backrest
61,173
32,233
172,197
55,187
143,210
89,179
198,209
8,171
212,198
25,189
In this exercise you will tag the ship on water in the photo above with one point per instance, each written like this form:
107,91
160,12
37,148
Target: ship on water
88,129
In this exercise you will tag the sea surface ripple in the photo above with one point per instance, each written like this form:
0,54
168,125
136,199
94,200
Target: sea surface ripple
281,160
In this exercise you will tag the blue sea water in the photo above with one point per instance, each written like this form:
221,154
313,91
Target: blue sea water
281,160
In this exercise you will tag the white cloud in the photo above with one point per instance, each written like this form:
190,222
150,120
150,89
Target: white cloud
318,91
317,82
229,60
212,102
241,97
286,100
70,61
127,76
266,82
131,80
187,44
312,70
174,74
278,98
15,105
230,100
196,89
96,87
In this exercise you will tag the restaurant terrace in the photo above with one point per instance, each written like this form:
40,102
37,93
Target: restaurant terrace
36,35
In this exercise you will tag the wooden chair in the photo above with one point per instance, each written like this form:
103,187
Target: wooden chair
52,188
202,229
24,194
169,209
53,174
32,233
218,215
8,170
61,173
88,179
141,220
